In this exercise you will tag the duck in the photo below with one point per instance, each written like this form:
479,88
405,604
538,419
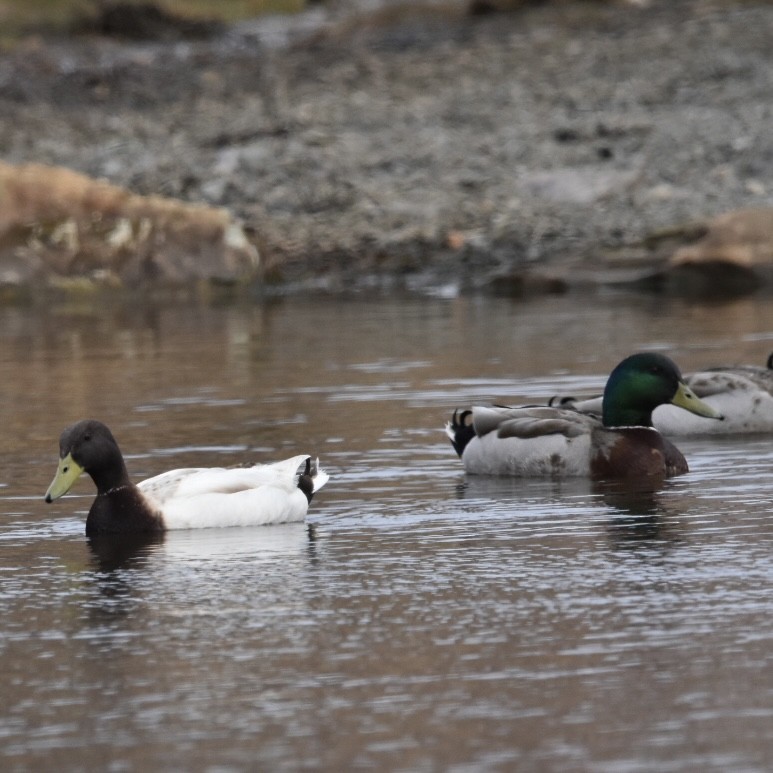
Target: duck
743,394
189,498
548,440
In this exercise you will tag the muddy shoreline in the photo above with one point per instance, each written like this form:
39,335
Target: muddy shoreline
428,150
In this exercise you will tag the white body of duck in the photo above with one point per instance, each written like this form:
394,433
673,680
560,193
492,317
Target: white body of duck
206,497
531,441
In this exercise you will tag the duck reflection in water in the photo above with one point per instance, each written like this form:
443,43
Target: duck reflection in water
636,512
116,596
640,513
123,551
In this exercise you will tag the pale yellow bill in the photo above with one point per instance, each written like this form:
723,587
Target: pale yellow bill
687,399
66,474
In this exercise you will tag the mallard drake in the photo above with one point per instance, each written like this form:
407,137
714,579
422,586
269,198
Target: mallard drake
743,394
549,440
191,498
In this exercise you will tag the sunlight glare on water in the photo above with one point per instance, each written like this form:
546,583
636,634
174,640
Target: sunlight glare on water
421,619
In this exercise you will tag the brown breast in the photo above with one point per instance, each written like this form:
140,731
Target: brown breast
635,452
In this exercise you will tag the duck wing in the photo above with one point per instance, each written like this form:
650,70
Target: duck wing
195,481
730,380
531,422
590,405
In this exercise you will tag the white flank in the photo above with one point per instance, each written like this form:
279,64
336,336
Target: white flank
550,455
196,498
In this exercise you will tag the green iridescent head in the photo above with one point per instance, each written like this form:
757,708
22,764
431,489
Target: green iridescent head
642,382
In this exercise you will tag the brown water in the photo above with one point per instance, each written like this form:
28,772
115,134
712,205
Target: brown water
421,620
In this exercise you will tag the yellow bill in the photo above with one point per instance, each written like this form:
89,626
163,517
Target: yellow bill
686,398
66,474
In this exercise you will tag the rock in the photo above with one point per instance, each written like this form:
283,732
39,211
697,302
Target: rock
731,254
743,239
57,226
145,21
725,256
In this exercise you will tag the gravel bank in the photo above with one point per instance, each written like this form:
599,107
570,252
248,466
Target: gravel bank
433,148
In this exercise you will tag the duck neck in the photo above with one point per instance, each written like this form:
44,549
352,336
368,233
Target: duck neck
111,476
627,403
616,415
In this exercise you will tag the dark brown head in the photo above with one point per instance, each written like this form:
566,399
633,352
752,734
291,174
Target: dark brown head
90,447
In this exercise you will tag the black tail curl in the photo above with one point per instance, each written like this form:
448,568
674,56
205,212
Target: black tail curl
306,479
460,430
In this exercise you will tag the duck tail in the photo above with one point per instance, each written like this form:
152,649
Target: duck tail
460,431
312,479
